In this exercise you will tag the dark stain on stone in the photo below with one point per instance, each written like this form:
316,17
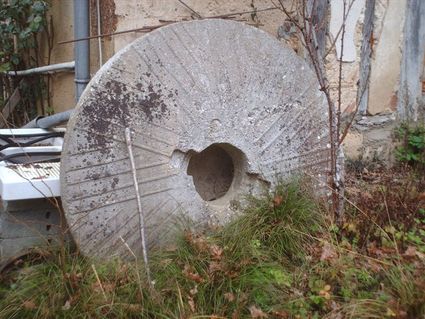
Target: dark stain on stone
115,182
112,104
152,105
159,62
105,106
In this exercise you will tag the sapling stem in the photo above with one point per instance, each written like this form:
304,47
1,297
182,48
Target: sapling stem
139,203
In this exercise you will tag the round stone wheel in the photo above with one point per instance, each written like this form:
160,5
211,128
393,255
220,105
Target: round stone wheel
217,109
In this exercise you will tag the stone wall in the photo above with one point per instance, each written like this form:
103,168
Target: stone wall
392,61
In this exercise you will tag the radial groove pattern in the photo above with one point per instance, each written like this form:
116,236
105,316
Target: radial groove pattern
181,89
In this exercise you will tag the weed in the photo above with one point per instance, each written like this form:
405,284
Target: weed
412,150
278,260
407,290
225,272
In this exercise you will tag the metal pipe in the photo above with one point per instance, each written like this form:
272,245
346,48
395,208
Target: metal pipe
81,48
99,31
49,121
44,69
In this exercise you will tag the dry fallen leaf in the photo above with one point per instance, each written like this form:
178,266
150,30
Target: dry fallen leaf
421,196
277,200
194,290
325,294
108,287
390,313
134,308
191,303
281,314
192,275
215,266
67,305
257,312
200,244
216,252
229,296
328,252
29,305
171,248
410,252
420,255
165,262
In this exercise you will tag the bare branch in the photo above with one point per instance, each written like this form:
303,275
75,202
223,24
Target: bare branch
308,33
150,28
353,116
345,16
193,11
139,203
340,72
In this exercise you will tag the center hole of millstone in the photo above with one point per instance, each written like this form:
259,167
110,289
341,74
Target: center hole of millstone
212,171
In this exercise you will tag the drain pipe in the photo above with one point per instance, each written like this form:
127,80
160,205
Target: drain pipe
49,121
47,69
82,65
81,48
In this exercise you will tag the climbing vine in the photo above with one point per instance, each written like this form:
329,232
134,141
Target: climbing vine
23,26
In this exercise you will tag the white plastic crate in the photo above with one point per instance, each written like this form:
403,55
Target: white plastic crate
39,179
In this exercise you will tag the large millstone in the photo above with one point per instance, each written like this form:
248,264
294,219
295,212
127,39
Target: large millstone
217,109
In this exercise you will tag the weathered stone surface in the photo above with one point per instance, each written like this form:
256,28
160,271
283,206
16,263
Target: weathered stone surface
412,75
353,12
372,139
212,84
365,57
385,66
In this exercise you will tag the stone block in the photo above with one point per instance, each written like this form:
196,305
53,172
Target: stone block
217,110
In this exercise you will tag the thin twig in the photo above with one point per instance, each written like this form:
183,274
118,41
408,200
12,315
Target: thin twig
333,43
228,15
141,29
355,206
353,116
192,10
309,40
139,204
164,23
389,221
99,282
137,265
338,114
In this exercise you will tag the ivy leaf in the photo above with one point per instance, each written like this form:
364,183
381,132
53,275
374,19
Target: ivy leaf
417,141
4,67
38,19
39,6
15,59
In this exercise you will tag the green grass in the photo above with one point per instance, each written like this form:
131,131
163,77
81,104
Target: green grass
266,262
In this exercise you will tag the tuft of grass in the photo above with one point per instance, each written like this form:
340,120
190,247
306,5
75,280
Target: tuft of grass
280,224
407,290
225,272
278,259
361,309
